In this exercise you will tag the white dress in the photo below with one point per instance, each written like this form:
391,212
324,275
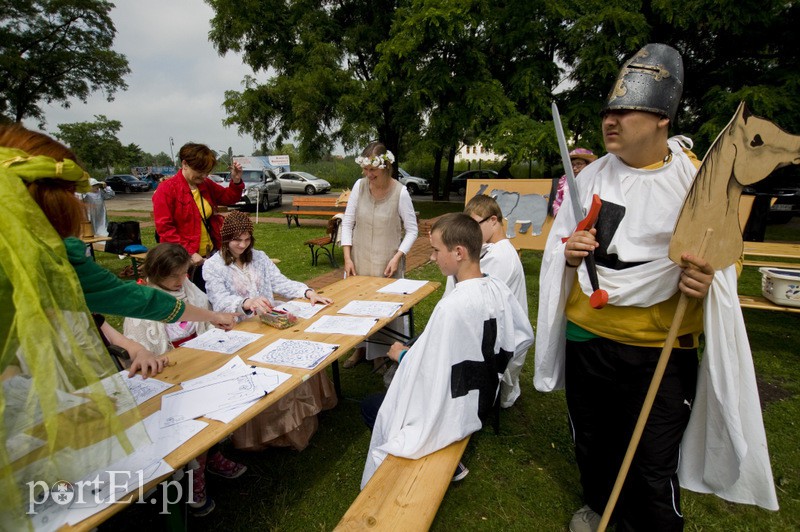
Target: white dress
158,336
96,209
292,421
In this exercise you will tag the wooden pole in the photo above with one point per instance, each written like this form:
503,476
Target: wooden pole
649,399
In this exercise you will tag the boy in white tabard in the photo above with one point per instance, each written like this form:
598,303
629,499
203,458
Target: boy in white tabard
500,260
448,381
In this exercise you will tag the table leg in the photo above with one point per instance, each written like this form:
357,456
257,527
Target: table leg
175,518
337,383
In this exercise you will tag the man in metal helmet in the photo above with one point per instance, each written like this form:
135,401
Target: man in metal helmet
608,356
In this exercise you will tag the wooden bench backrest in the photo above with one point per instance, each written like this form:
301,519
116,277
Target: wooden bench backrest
311,202
317,201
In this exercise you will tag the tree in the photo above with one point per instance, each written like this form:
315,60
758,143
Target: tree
54,50
732,51
96,143
325,88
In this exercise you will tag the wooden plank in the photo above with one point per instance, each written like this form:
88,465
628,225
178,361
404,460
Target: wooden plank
780,250
311,213
762,303
771,264
303,201
404,494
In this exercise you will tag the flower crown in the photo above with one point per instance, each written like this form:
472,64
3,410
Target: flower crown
378,161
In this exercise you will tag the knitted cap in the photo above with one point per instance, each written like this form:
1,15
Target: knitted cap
234,225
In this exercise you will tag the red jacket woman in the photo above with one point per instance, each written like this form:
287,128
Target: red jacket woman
179,201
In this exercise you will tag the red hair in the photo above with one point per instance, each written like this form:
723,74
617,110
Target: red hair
57,200
56,197
34,143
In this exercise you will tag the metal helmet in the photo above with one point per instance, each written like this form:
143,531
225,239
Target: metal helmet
651,80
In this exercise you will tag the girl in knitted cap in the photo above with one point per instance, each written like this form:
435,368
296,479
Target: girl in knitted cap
243,279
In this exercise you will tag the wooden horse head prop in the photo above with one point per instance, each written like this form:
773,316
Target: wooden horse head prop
746,151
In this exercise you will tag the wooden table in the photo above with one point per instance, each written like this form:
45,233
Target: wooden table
191,363
91,240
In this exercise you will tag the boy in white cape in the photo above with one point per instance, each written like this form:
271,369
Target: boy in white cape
448,381
500,260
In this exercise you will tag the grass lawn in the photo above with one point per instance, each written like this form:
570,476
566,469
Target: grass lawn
525,478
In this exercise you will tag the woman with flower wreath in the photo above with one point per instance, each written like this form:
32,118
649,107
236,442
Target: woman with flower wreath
379,225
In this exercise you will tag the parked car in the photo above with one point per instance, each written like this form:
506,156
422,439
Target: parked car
303,182
127,183
216,178
414,185
459,183
153,180
259,186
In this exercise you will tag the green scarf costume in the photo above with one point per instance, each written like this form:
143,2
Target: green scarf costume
50,432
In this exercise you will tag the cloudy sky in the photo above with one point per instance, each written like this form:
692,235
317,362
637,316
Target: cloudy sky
177,82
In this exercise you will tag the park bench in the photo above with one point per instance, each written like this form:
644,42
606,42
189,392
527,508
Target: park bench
404,494
313,206
325,244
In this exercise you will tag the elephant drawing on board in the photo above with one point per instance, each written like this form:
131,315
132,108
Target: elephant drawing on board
529,210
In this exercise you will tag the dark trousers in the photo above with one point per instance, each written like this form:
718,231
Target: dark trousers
606,383
369,408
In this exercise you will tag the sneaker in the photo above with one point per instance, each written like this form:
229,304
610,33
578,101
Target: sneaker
202,508
221,466
461,472
585,520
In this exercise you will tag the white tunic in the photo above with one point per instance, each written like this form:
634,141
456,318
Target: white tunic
420,415
501,261
96,209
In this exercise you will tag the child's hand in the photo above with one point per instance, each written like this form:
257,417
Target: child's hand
315,298
395,350
147,362
579,245
259,305
696,277
224,320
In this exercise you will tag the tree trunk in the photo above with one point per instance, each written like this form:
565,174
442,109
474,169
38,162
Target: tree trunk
437,173
451,161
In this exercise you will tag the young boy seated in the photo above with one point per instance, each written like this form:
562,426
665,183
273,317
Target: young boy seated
500,260
448,380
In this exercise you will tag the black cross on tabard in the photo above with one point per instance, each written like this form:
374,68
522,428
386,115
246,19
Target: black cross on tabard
482,376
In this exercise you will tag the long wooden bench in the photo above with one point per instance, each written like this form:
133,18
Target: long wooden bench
404,494
313,206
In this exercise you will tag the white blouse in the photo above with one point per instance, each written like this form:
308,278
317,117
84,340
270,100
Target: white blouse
406,208
229,285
